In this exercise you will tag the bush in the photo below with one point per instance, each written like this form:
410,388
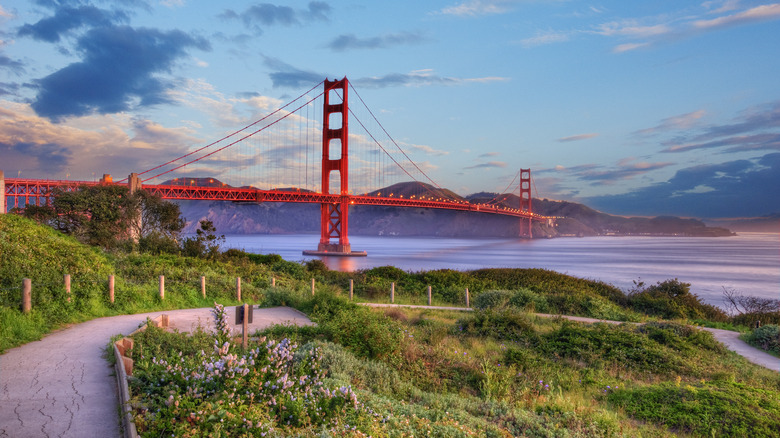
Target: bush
493,299
722,409
672,299
503,324
766,338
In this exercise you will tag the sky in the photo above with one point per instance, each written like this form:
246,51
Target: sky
640,108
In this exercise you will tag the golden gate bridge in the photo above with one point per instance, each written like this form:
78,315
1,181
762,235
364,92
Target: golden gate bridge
276,158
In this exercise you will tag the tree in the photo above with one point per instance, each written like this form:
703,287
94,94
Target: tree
205,243
109,216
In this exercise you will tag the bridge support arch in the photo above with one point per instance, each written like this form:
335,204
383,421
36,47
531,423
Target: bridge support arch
334,215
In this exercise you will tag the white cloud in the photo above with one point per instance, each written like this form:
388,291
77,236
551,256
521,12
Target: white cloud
544,39
578,137
759,13
477,7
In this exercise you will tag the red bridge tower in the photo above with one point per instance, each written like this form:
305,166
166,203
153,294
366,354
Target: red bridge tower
334,219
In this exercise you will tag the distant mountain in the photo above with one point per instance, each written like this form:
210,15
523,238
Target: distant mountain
572,219
764,224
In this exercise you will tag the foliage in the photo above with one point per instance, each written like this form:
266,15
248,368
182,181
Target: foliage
766,337
672,299
271,388
205,243
703,409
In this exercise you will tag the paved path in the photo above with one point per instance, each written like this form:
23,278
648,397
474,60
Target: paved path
61,386
726,337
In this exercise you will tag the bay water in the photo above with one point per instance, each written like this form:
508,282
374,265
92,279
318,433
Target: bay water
748,263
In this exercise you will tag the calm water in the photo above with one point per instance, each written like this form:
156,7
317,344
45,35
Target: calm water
749,263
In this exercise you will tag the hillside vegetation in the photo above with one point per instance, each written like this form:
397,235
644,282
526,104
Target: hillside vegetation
497,371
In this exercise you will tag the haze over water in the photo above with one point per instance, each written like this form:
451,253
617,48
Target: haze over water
749,262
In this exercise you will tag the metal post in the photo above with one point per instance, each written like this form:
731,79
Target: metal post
111,289
162,287
203,286
392,292
238,288
429,295
351,288
26,295
66,280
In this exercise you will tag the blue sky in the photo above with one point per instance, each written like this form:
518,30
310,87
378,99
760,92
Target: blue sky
634,108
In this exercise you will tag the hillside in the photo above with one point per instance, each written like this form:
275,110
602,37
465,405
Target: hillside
573,219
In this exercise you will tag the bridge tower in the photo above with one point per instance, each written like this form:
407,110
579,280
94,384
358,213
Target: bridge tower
334,216
525,202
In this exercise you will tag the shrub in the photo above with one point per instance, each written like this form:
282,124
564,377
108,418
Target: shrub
500,324
722,409
493,299
672,299
766,337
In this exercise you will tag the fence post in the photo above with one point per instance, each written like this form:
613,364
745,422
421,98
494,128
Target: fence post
238,288
203,286
312,286
245,326
162,287
111,289
467,298
26,295
392,292
351,288
429,295
273,282
66,280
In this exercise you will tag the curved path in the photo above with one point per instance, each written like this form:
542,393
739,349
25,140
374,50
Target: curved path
61,386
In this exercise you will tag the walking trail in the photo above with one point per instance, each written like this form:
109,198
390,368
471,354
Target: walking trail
61,386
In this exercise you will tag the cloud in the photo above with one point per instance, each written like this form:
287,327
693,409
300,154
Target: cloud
427,150
578,137
11,65
755,128
67,19
544,39
473,8
285,75
489,154
351,42
267,14
683,121
419,78
87,146
728,189
488,165
756,14
120,70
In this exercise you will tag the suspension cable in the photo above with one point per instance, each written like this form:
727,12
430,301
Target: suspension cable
226,137
240,139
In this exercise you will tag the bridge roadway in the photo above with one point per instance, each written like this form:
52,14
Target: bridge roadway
34,191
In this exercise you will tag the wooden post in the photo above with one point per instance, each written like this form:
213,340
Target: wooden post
162,287
467,298
429,295
238,288
111,289
312,286
392,292
203,286
26,295
245,325
351,288
273,282
66,280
